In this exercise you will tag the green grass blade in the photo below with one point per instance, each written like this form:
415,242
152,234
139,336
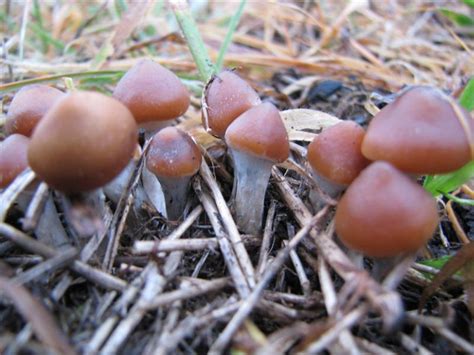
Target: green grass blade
193,39
469,3
444,184
53,78
234,21
458,18
467,97
461,201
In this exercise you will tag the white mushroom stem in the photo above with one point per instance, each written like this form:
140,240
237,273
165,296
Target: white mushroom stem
114,189
175,191
251,175
329,188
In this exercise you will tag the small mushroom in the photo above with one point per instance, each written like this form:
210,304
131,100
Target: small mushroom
422,131
174,158
28,106
153,94
13,158
83,142
257,140
226,97
336,159
384,214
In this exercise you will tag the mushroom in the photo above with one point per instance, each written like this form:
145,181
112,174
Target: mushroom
83,142
335,159
13,158
28,106
174,158
225,98
257,140
384,214
423,131
153,94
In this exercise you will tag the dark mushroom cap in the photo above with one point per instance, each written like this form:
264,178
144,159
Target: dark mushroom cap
335,153
227,96
173,153
12,158
28,106
83,142
260,132
423,131
384,213
152,92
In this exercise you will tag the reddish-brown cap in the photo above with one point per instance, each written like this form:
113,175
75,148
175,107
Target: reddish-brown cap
173,153
384,213
260,132
423,131
226,97
28,106
83,142
152,92
12,158
335,153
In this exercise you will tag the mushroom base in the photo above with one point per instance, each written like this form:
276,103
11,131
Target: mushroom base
251,175
175,191
330,188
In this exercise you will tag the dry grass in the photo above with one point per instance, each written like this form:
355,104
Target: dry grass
141,284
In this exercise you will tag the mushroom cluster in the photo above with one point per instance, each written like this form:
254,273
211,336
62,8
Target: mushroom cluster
256,137
81,141
384,213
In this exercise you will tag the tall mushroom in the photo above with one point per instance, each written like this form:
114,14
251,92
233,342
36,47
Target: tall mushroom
422,132
336,159
28,106
174,158
153,94
83,142
225,98
384,214
257,140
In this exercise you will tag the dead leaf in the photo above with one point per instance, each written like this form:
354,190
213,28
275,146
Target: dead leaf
299,121
130,20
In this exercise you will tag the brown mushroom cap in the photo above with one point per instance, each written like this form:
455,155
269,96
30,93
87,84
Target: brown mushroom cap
83,142
12,158
384,213
173,153
227,96
260,132
152,92
422,132
335,153
28,106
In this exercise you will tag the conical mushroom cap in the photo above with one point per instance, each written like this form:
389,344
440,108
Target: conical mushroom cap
12,158
422,132
384,213
260,132
83,142
227,96
152,92
28,106
173,153
335,152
